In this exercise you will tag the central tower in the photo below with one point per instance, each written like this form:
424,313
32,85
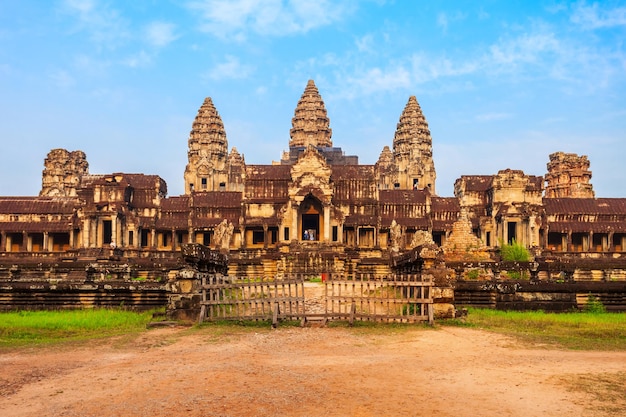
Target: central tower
310,121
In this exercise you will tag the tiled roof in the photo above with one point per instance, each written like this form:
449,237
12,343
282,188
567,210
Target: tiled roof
178,204
173,220
477,182
32,227
268,172
585,227
217,199
38,205
403,196
350,172
585,205
439,204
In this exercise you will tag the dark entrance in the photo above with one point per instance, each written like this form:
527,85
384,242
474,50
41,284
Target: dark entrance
311,209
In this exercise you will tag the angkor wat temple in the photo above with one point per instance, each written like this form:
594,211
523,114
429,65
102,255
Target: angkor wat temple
314,210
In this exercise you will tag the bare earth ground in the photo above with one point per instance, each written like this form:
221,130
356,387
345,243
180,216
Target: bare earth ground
292,371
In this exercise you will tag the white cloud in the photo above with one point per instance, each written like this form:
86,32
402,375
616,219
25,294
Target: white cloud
365,43
140,59
525,49
160,34
105,25
444,19
231,68
595,17
234,19
375,80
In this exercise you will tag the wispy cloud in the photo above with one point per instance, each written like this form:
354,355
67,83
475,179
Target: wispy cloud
140,59
104,25
235,19
231,68
444,19
595,17
365,43
160,34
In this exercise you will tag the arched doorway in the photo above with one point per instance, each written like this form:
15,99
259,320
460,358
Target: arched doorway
310,212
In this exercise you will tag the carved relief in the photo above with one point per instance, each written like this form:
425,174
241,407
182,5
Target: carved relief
223,234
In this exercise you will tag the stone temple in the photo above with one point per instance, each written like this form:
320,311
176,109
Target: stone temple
315,210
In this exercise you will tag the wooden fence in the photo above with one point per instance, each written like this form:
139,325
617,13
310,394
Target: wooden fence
399,298
402,298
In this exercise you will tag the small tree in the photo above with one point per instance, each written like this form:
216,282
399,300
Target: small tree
514,252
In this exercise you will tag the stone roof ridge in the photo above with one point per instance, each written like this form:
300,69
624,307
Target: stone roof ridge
310,123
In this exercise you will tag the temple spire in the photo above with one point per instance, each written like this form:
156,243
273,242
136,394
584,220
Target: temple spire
413,149
208,149
310,124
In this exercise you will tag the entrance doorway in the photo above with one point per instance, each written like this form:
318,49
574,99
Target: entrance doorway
310,218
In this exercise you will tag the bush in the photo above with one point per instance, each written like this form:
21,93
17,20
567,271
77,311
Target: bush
594,305
514,252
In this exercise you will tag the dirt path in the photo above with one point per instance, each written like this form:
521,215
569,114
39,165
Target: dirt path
302,372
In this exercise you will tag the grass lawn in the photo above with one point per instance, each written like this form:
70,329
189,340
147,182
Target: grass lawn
22,328
576,330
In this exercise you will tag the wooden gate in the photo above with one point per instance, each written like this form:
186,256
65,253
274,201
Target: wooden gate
398,298
401,298
228,298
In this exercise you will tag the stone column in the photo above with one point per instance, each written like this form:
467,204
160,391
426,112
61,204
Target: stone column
265,236
294,224
3,241
25,239
86,230
326,223
114,238
45,244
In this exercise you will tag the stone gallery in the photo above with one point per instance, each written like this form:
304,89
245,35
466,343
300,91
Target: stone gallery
315,210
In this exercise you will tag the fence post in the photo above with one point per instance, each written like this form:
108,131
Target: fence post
275,315
352,312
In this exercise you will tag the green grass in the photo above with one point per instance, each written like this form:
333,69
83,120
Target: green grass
43,327
576,330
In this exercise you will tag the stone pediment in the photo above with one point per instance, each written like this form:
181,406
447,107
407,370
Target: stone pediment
309,173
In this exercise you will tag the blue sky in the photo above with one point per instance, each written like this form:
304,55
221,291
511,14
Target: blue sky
502,83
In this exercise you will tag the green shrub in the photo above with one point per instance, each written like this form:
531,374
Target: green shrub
594,305
514,252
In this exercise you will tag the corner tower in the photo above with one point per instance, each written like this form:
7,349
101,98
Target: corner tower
568,176
413,150
62,174
207,169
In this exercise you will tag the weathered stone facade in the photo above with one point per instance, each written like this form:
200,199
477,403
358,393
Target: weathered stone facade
315,211
568,176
